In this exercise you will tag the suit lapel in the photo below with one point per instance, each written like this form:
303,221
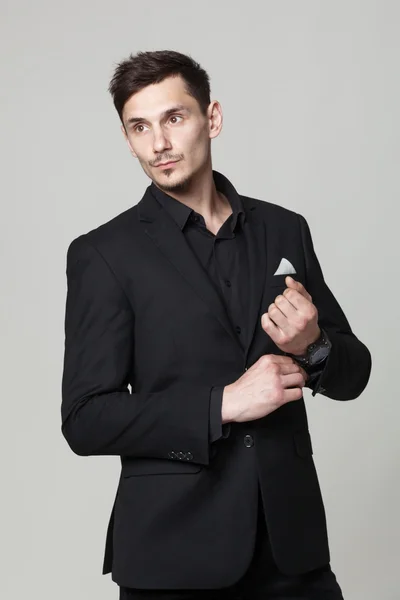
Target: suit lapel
254,233
169,239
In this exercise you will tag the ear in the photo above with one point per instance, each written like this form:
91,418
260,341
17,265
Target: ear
215,119
128,142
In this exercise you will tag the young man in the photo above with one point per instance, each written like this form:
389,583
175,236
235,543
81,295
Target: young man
186,298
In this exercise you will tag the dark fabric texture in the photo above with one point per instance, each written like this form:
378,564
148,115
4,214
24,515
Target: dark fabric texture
150,342
262,581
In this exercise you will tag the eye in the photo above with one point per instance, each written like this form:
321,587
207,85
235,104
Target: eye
176,117
136,129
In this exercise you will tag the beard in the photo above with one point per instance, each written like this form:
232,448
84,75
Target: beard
180,186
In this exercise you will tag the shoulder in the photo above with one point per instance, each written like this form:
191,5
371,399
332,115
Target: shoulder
270,210
107,236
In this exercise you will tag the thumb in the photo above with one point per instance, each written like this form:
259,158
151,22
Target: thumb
290,282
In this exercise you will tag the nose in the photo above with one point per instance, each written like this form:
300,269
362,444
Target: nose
160,142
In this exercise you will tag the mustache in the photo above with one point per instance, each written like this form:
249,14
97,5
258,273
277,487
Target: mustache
165,159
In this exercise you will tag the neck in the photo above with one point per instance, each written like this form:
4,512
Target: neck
202,196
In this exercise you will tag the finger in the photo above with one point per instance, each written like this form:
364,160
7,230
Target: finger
292,394
289,368
297,300
270,328
285,306
281,321
297,286
304,373
292,380
276,315
282,359
286,364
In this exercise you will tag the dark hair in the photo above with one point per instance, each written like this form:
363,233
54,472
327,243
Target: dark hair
146,68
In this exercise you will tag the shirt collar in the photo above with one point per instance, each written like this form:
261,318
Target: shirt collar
180,212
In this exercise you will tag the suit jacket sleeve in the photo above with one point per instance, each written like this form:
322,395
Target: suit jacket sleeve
100,415
348,366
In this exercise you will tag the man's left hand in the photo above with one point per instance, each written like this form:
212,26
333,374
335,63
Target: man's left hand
292,320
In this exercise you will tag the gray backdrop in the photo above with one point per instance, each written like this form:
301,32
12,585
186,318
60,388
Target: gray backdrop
310,95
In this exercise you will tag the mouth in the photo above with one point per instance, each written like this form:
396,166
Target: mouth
167,164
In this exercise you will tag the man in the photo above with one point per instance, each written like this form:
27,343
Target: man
187,348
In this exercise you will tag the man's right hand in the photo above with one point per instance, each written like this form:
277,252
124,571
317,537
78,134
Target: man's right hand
271,382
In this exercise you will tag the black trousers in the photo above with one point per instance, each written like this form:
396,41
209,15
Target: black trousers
262,581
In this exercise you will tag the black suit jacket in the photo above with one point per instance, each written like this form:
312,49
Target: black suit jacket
142,312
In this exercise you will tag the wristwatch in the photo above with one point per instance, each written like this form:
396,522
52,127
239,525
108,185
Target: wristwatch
316,352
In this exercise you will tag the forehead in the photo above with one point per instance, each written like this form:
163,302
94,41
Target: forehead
156,98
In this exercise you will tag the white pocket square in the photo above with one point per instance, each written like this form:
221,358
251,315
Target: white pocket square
285,268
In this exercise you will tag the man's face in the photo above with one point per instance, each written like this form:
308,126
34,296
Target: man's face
163,123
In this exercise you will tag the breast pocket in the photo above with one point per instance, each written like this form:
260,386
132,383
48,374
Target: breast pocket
134,467
275,285
277,281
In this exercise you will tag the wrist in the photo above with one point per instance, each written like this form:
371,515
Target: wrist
316,353
226,408
302,351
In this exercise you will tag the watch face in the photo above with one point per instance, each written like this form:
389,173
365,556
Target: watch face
319,355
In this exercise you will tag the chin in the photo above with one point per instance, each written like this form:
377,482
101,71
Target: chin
169,181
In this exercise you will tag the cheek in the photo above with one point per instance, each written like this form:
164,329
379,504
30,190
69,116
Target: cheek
193,143
144,164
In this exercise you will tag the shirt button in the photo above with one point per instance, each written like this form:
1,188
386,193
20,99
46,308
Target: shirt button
228,283
238,329
248,441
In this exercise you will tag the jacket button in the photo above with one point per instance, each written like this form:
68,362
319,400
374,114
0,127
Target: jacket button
248,441
172,454
181,455
189,456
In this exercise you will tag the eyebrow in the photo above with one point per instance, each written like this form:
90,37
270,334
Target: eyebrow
166,113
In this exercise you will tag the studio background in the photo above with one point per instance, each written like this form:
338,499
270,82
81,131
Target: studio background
310,97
